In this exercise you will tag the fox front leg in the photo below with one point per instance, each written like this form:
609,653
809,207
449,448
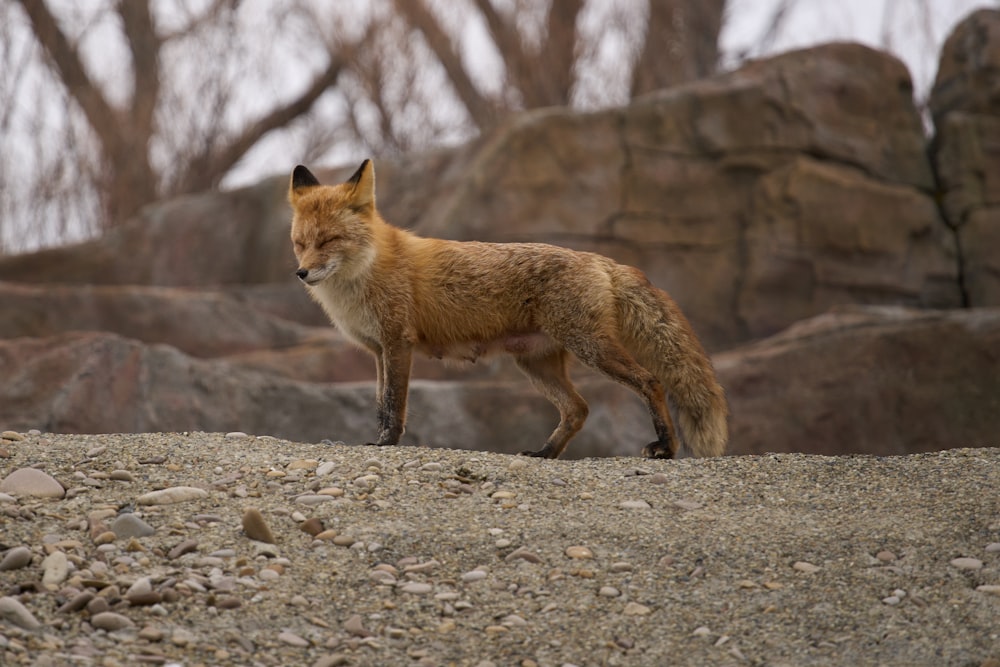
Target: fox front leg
393,366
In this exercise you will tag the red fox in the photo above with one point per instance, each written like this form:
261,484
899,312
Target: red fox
393,292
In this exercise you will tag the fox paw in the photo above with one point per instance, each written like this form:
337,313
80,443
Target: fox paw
543,453
658,450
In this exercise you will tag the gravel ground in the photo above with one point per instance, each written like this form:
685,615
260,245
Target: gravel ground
421,556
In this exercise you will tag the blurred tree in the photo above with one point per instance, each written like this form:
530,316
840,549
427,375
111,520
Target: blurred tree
130,133
133,100
542,64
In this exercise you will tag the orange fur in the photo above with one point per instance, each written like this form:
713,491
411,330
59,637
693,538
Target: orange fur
395,293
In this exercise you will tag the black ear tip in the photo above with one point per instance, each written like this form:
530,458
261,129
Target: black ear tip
303,178
356,177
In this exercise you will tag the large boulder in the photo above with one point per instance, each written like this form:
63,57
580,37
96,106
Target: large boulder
208,239
755,198
965,103
202,323
875,380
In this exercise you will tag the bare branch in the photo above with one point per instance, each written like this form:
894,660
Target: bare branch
63,56
144,46
555,79
207,170
681,43
481,110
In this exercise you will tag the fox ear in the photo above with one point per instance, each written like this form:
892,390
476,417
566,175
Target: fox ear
302,178
363,181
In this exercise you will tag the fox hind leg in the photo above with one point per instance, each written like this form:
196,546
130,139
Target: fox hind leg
612,359
548,374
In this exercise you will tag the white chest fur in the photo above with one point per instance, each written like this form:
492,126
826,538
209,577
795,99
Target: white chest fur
344,303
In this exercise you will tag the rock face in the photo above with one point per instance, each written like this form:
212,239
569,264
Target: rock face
965,103
780,193
863,380
868,380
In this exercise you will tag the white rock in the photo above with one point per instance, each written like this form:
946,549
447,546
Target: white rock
12,611
634,505
15,558
966,563
32,482
173,494
55,567
416,588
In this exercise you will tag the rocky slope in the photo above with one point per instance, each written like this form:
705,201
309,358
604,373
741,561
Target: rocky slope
415,556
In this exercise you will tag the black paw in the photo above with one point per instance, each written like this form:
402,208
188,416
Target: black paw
543,453
658,450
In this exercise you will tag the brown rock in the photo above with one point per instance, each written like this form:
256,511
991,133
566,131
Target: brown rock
868,380
966,149
313,526
256,527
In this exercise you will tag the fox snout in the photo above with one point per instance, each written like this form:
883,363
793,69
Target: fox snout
302,274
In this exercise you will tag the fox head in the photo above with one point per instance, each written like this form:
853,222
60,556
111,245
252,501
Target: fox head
332,230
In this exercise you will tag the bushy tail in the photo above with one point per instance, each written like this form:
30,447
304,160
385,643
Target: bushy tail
662,340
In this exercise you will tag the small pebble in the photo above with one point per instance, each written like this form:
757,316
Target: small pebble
417,588
110,621
16,558
687,505
523,554
236,435
966,563
312,526
185,547
12,611
636,609
32,482
174,494
292,639
256,527
129,525
634,505
579,553
55,567
474,575
354,626
609,592
808,568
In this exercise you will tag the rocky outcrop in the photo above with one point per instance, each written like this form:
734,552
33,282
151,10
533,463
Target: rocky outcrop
867,380
965,103
875,380
755,198
203,240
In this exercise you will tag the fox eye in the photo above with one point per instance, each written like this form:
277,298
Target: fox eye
329,239
299,245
